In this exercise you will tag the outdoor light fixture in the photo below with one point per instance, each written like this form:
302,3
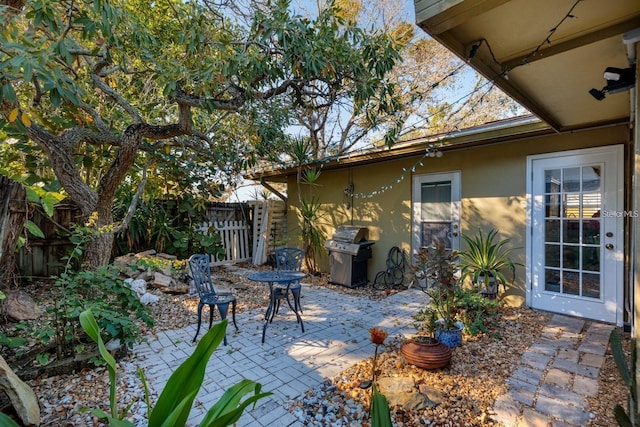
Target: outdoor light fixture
618,80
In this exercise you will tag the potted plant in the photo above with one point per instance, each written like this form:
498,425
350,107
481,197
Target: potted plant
438,265
484,261
425,350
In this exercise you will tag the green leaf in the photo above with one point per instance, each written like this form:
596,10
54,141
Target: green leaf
33,229
618,356
20,243
228,409
182,407
90,326
113,422
186,380
621,417
32,194
5,421
49,199
43,358
8,94
380,413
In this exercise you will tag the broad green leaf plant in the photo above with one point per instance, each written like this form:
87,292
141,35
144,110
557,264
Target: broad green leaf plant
176,400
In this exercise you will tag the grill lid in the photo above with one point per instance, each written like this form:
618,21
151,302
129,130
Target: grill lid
351,233
346,247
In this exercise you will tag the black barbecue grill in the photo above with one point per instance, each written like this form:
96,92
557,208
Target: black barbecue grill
349,251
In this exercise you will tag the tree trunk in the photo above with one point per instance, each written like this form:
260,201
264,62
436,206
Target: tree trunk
97,251
13,215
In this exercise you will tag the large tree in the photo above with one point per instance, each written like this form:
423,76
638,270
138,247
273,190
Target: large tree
103,86
434,90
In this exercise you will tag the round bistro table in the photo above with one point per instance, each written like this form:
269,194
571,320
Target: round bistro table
274,278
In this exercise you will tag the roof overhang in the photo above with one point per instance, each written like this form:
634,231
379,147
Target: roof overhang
546,54
509,130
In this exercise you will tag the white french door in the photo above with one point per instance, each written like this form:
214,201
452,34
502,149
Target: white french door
576,233
436,210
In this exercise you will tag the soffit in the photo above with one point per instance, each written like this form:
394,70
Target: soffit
548,73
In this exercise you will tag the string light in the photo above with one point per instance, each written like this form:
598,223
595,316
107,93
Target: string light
434,152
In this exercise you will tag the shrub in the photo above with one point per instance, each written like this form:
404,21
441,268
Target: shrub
475,311
116,306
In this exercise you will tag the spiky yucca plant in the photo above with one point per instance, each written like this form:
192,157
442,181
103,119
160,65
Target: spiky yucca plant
485,259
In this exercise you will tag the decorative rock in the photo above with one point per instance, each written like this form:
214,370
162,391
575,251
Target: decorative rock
161,280
418,402
22,398
395,384
149,298
20,306
140,288
434,395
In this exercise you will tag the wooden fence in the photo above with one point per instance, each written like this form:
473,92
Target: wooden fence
44,257
235,240
234,221
269,228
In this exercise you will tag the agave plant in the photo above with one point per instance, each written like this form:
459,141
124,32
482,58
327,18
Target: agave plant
485,259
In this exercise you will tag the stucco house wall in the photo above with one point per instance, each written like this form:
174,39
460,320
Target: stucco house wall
493,194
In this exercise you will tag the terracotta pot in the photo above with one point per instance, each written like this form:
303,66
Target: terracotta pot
426,355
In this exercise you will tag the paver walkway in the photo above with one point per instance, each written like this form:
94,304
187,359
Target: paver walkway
290,362
556,373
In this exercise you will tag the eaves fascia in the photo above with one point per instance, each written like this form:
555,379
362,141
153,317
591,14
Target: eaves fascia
466,138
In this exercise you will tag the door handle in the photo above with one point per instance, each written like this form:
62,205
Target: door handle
609,246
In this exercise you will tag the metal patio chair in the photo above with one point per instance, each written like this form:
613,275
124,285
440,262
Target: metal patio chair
290,259
201,274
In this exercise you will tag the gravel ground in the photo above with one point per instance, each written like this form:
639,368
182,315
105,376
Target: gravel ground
466,390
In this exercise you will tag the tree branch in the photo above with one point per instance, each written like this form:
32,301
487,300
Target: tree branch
97,119
59,150
134,202
233,104
95,77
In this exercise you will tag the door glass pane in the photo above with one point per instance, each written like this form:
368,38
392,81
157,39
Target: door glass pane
551,280
591,285
571,231
591,258
591,232
571,257
552,255
436,231
436,201
552,205
552,230
573,200
436,211
591,176
552,179
590,205
570,282
570,180
571,205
